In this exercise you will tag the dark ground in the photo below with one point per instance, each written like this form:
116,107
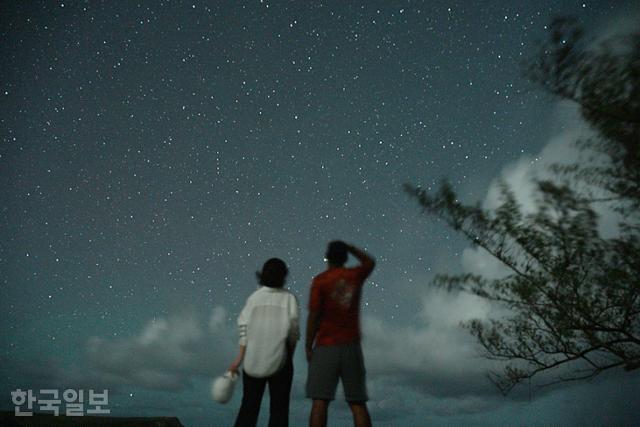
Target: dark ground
8,419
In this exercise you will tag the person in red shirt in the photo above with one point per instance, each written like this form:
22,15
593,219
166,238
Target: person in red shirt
333,335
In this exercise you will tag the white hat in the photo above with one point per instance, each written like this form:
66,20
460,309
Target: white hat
222,387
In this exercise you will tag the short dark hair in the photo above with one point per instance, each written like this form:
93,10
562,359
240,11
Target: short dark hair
273,274
337,252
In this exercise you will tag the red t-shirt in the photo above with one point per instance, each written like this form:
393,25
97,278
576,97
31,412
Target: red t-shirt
335,294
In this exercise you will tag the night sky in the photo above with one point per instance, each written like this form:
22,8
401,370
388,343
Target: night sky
154,154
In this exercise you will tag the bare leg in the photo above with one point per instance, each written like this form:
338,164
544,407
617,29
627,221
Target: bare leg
319,410
360,413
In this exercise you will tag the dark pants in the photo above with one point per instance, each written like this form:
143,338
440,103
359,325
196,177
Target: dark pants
279,391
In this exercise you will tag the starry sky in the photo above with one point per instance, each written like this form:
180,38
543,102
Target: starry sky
154,154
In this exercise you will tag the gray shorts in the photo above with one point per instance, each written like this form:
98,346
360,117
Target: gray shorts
333,362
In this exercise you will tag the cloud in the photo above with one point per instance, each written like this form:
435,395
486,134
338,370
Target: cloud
434,364
435,361
166,353
620,24
218,320
434,369
521,177
434,358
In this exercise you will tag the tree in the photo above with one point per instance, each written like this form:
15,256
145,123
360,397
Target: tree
572,295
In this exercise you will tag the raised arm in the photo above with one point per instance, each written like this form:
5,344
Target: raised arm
365,259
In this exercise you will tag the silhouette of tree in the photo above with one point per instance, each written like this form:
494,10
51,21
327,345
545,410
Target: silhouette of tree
573,296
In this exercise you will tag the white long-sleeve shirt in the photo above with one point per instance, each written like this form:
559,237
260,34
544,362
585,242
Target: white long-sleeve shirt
268,320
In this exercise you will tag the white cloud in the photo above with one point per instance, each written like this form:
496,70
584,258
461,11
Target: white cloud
438,360
477,261
435,355
218,320
521,177
166,353
620,24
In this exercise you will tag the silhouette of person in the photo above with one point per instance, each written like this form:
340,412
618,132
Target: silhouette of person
269,331
333,335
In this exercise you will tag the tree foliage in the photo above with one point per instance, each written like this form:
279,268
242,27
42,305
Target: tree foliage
573,296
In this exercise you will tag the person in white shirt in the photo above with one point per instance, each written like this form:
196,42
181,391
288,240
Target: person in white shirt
269,330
